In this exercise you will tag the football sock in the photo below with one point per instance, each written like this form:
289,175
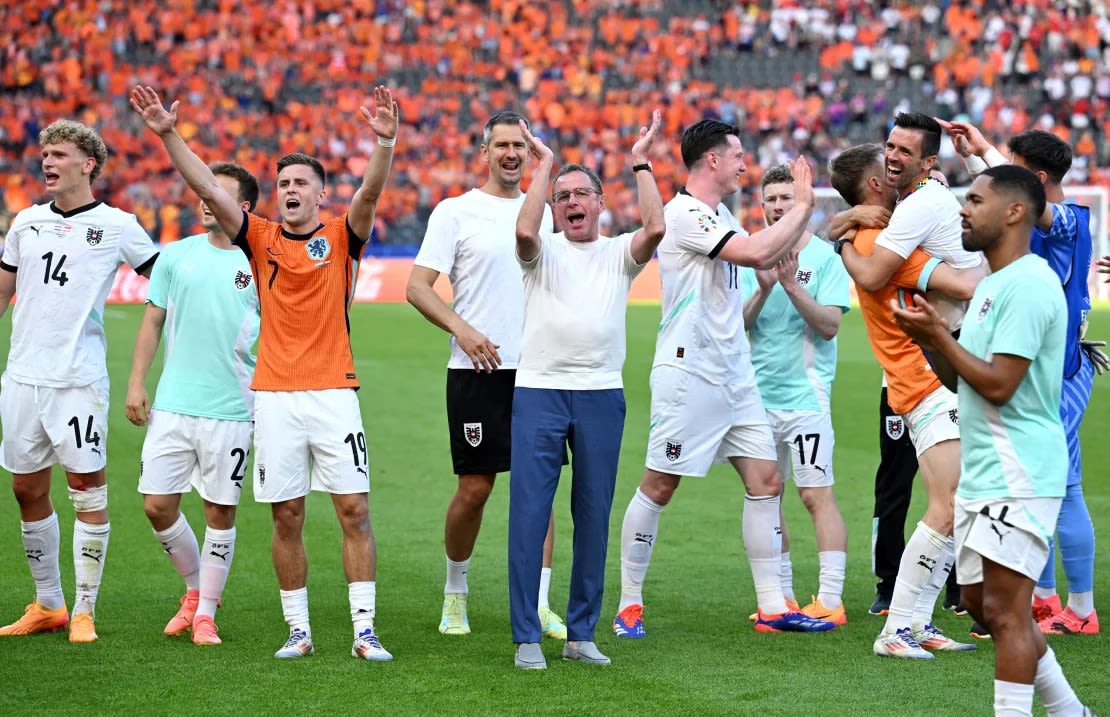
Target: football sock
42,542
215,564
456,576
786,576
832,566
1044,593
638,533
90,548
761,542
1082,604
927,600
362,596
545,587
1012,699
180,546
294,607
1053,688
921,558
1075,538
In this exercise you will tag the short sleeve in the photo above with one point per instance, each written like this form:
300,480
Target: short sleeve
252,233
698,231
10,259
832,289
158,290
631,267
437,251
1063,230
135,245
1023,320
910,225
909,273
748,283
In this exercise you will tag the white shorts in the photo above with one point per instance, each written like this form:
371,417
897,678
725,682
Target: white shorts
695,423
43,426
933,420
308,440
804,442
182,452
1013,532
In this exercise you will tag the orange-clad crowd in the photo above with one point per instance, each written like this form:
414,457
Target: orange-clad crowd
256,80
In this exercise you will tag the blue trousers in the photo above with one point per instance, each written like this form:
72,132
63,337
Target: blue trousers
545,422
1074,531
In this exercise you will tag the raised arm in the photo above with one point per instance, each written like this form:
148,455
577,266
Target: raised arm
766,247
764,283
870,273
137,405
531,212
647,238
192,168
383,121
863,215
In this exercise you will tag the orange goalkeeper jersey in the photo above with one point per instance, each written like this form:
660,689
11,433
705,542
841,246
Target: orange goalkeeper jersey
909,376
305,283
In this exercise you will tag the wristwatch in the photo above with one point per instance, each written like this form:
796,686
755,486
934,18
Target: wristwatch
645,167
838,245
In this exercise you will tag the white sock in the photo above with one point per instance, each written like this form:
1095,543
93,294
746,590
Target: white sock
294,607
761,542
545,587
180,545
832,565
921,558
456,576
1053,688
362,596
638,533
1082,604
1044,593
42,541
927,600
1012,699
786,576
90,548
215,563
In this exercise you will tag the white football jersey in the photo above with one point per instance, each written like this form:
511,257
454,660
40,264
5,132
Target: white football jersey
65,263
702,329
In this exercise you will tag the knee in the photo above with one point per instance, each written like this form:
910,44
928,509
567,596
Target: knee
769,484
354,516
815,499
1001,616
158,513
473,494
288,519
659,490
28,492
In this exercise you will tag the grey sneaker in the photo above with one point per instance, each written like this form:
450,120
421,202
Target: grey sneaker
586,652
529,656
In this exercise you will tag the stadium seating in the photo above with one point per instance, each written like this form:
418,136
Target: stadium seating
808,77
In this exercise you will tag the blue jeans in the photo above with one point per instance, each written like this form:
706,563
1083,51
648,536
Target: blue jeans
545,422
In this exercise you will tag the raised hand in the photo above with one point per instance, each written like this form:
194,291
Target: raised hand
383,117
920,321
803,181
647,136
536,148
1104,267
966,137
145,101
787,270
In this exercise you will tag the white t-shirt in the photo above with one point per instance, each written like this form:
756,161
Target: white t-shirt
930,218
702,329
472,239
65,264
575,297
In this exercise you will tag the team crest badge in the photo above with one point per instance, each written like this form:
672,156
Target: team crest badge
985,308
895,427
242,280
803,276
673,450
473,433
954,416
318,248
94,236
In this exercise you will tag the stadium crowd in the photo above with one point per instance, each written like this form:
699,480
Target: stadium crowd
810,77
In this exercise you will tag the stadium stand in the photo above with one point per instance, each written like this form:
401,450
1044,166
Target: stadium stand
808,77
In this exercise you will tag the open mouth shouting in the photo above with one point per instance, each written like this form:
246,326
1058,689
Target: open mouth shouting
576,220
51,177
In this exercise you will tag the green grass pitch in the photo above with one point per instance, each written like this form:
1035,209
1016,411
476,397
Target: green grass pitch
701,655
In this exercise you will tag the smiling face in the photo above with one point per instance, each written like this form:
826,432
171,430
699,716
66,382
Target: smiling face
904,163
727,163
506,153
66,168
577,206
300,193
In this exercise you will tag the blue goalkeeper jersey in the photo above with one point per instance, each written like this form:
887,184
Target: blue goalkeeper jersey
1067,248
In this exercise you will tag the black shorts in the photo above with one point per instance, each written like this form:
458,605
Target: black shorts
480,419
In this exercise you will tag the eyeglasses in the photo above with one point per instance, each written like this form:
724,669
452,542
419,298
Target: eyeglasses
581,194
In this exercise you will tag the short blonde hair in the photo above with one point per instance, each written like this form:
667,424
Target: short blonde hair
84,137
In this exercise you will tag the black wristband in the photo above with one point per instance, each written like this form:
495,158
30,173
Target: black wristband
838,245
645,167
